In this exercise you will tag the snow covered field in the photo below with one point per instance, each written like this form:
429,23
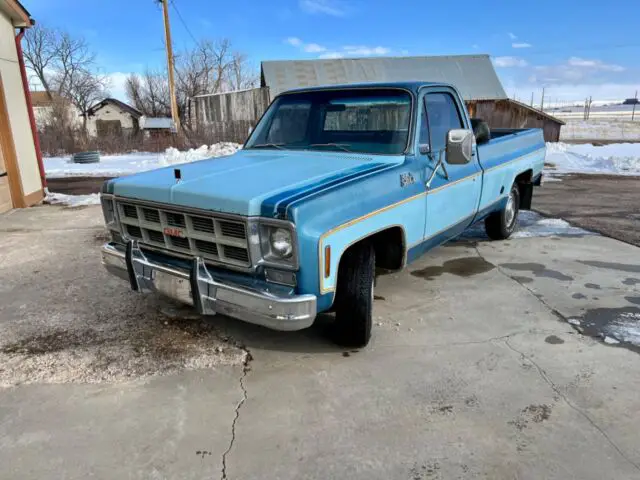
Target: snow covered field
601,129
613,159
562,158
117,165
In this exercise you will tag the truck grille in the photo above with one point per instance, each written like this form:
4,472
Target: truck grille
210,237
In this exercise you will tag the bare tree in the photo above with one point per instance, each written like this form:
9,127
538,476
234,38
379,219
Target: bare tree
65,66
241,74
149,93
40,53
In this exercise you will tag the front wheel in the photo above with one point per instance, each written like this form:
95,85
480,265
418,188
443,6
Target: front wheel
354,297
500,225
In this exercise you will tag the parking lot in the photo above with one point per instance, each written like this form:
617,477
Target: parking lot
477,369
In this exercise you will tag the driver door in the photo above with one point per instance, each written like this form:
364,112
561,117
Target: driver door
451,202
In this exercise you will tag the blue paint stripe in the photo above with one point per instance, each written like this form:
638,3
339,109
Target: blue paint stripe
442,237
278,203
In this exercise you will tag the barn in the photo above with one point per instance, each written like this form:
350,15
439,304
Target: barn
228,116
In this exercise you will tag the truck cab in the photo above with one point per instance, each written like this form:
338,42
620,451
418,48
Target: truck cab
333,183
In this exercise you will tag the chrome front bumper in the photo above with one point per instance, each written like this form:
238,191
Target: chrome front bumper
198,287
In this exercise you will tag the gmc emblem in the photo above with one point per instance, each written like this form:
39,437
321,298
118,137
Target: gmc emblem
174,232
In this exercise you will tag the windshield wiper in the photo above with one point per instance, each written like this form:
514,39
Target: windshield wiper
270,145
337,145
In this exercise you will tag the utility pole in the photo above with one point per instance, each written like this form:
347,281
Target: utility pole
633,112
531,99
542,101
170,67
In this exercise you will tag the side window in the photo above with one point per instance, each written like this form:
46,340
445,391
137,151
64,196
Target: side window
443,116
424,125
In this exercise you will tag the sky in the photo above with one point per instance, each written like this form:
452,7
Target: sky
572,48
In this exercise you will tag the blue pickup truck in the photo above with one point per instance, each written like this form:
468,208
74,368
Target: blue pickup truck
332,184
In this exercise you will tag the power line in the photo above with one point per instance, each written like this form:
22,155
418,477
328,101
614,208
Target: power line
184,24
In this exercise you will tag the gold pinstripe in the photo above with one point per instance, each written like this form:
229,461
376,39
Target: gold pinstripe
397,204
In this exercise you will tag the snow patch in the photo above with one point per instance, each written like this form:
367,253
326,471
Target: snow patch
625,328
531,224
53,198
613,159
127,164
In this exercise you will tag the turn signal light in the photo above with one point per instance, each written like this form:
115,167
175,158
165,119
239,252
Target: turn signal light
327,261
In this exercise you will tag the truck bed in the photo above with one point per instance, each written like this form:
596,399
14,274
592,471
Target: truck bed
508,154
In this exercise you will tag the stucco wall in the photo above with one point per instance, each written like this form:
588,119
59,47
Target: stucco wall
110,112
17,107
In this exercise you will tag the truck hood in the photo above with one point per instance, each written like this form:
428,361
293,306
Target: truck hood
250,182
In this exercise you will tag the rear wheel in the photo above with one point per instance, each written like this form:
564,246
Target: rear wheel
500,225
354,297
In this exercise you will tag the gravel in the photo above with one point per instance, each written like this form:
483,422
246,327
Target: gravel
64,319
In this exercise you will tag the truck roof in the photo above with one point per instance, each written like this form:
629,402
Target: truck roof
413,86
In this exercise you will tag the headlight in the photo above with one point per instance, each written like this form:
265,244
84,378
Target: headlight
281,243
108,210
277,243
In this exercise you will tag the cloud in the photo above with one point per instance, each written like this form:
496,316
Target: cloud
117,85
345,51
314,48
512,36
594,64
330,55
325,7
521,45
293,41
364,51
507,62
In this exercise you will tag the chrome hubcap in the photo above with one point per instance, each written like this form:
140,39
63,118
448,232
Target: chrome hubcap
510,211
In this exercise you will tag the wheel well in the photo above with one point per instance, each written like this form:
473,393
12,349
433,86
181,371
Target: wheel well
525,188
389,246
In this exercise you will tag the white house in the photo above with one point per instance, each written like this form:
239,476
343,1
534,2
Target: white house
21,171
112,117
43,108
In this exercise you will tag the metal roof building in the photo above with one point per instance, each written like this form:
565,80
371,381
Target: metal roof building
228,116
473,75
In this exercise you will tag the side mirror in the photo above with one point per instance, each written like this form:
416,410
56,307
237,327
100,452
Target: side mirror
460,143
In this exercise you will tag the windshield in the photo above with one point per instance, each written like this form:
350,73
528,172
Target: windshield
364,121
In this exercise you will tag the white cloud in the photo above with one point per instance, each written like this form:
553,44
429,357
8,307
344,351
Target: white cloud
512,36
326,7
364,51
521,45
594,64
345,51
117,82
294,41
506,62
330,55
314,48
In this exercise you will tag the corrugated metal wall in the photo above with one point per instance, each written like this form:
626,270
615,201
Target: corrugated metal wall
510,114
227,117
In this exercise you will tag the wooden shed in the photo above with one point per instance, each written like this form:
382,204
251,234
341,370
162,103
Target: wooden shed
507,113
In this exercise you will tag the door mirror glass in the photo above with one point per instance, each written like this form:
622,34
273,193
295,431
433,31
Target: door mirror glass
460,143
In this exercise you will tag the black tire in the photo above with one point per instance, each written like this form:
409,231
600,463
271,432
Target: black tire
354,297
86,157
500,225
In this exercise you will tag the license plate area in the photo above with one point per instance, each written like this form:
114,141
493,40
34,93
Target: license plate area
173,287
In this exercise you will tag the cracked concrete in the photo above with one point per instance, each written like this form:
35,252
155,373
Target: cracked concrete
460,379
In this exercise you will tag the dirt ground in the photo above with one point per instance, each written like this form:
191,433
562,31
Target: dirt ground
607,204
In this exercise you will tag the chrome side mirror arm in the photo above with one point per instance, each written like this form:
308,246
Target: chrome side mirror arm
439,164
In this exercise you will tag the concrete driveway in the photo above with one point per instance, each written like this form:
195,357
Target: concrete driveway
474,370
